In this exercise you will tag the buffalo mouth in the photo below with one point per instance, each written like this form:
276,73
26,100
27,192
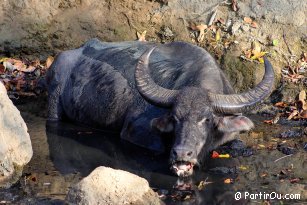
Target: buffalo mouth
183,168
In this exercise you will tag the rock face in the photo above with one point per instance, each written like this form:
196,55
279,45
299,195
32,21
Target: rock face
39,26
109,186
15,144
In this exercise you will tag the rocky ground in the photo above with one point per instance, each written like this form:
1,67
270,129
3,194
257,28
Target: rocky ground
237,33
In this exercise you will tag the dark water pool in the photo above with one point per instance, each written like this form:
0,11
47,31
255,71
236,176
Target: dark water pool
64,153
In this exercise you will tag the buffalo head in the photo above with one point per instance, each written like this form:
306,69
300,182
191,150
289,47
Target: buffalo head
200,119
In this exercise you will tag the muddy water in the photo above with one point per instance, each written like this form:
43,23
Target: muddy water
64,153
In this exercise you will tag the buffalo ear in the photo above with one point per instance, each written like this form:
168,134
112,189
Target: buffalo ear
228,124
163,124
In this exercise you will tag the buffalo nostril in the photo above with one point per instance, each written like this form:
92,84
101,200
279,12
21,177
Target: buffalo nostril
190,153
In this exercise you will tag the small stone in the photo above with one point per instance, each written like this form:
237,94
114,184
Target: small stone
286,150
245,28
223,170
235,27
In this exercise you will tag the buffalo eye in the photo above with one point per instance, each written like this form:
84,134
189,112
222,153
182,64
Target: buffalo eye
203,120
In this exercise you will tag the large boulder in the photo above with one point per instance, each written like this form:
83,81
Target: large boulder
15,144
110,186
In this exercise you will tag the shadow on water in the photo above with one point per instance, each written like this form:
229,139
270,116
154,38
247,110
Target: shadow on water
78,149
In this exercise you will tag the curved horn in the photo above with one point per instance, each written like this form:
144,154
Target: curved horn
237,103
148,88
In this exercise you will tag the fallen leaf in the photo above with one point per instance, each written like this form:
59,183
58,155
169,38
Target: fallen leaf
141,36
248,53
261,146
294,113
3,60
202,184
295,180
49,61
201,28
221,20
228,181
224,156
2,69
268,121
281,104
254,24
35,63
303,114
234,5
256,48
8,66
302,95
294,78
215,154
301,100
187,197
257,54
243,167
248,20
218,35
275,42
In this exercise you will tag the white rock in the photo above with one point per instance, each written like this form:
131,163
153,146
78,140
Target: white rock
235,28
109,186
15,144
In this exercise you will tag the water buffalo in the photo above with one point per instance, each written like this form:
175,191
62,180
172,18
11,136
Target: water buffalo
145,90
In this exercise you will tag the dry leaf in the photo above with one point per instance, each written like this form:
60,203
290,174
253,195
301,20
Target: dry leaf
256,48
2,69
303,114
202,184
3,60
295,180
35,63
234,5
281,104
49,61
257,54
201,28
301,100
261,145
302,95
224,156
215,154
228,181
254,24
19,65
243,167
248,20
294,113
141,36
218,35
268,122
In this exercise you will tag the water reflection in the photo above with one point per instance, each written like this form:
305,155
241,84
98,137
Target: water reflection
78,149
